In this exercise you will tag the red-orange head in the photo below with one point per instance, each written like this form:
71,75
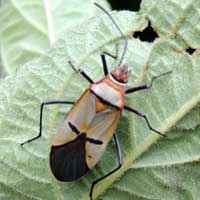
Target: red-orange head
121,73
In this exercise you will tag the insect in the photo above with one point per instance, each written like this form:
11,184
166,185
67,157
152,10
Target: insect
91,123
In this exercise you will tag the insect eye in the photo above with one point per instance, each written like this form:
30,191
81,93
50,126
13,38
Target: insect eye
123,70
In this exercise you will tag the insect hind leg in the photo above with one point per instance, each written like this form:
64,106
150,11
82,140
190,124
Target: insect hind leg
41,117
120,162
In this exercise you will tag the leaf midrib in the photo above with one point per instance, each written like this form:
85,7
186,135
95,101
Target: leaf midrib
34,25
50,24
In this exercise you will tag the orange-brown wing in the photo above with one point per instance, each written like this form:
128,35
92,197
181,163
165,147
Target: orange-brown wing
102,127
97,121
81,115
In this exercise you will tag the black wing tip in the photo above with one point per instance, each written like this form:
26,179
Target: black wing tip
70,177
68,161
70,171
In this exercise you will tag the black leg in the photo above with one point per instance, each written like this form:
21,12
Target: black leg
103,58
111,55
105,67
145,118
41,115
120,162
81,72
146,87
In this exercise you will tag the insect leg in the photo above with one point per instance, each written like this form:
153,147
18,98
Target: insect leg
145,118
81,72
111,55
145,86
41,115
120,162
103,58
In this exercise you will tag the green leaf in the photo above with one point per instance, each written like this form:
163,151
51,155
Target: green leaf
174,18
174,183
25,169
153,168
28,28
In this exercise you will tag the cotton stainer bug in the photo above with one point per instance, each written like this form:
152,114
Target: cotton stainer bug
92,121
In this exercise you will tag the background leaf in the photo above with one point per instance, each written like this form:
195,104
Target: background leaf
153,169
174,18
25,26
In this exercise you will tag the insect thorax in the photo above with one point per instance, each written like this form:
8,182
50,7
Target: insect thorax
109,94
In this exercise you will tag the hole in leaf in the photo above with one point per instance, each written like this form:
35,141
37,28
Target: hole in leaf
190,50
148,34
125,5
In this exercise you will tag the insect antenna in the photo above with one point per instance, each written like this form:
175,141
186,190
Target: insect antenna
125,38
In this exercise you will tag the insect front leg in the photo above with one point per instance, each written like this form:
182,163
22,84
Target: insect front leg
145,86
120,162
103,58
145,118
41,117
82,72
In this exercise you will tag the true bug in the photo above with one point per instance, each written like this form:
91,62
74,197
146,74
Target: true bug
92,121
